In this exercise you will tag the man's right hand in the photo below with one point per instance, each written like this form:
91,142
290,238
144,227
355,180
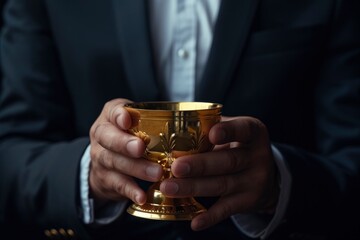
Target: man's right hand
116,157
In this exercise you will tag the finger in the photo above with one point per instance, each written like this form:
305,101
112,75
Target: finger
241,129
221,210
114,139
139,167
205,187
210,163
117,115
113,186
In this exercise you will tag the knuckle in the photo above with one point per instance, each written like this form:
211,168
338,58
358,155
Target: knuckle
97,156
226,211
101,178
93,130
94,153
132,166
111,143
256,123
191,189
130,193
106,159
98,179
125,166
98,130
220,213
233,162
118,187
113,112
256,126
221,186
108,105
106,137
200,168
123,189
212,219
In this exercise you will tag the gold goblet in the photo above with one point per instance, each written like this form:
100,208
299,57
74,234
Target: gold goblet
171,130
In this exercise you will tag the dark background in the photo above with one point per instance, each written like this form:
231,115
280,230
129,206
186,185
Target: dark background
2,2
1,9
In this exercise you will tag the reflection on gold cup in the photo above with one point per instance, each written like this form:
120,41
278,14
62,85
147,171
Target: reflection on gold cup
171,130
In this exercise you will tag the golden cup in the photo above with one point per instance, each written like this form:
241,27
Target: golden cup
171,130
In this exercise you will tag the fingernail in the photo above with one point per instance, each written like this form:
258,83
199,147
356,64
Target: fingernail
153,172
200,224
171,188
118,119
138,199
132,148
182,169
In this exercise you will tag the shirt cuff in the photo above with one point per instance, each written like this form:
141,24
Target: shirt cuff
107,214
261,225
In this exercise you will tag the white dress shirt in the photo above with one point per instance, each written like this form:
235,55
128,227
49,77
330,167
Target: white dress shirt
182,32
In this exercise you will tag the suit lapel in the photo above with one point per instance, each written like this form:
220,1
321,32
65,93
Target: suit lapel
230,35
134,37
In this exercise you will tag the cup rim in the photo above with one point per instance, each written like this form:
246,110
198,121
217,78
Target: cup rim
183,106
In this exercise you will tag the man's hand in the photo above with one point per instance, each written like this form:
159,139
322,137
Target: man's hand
116,157
240,170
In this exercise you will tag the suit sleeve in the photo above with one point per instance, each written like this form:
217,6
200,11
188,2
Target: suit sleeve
39,153
325,186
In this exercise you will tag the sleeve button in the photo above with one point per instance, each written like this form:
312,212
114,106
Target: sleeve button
70,232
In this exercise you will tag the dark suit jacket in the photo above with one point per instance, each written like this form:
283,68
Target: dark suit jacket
292,64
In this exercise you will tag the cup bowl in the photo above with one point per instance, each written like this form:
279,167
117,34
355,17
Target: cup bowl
171,130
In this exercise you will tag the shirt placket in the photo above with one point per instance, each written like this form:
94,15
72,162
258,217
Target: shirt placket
182,81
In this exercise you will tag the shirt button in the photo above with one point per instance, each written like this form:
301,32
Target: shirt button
183,53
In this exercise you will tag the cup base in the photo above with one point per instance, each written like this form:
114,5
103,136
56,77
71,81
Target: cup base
160,207
167,212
